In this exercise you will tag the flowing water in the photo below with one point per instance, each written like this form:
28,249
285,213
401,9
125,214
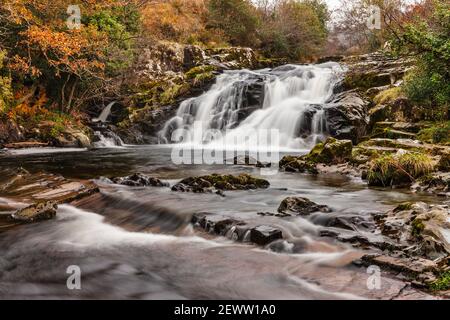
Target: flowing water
289,94
136,242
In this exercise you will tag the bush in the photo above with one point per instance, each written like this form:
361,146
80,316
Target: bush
399,169
438,133
6,95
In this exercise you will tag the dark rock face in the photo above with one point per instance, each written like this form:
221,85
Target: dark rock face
193,56
36,212
140,180
10,132
300,206
347,116
263,235
220,182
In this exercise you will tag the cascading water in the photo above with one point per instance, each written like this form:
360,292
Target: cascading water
289,99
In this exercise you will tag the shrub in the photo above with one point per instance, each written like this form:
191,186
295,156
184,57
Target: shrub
388,95
438,133
399,169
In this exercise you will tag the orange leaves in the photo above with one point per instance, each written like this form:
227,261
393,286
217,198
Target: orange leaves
30,108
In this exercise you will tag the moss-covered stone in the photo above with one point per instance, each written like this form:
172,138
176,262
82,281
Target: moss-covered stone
332,151
220,182
399,169
297,164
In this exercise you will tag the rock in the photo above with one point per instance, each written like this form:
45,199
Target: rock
437,183
444,162
220,182
72,138
263,235
26,144
331,151
236,230
36,212
140,180
401,126
347,116
10,132
410,266
424,229
297,164
300,206
193,56
235,57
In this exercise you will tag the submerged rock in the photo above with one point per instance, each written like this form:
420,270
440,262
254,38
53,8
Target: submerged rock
220,182
36,212
236,230
139,180
300,206
263,235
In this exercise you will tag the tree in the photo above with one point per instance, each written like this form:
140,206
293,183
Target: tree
236,18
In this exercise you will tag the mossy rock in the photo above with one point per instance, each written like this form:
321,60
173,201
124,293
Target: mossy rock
221,182
297,164
399,169
332,151
444,162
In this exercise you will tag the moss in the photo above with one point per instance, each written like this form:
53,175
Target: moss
403,206
437,133
441,283
332,151
417,228
388,95
365,81
403,169
227,182
196,71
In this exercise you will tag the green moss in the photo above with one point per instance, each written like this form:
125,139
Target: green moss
403,206
196,71
394,169
441,283
332,151
417,227
365,81
437,133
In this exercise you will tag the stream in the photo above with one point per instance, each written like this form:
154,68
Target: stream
138,242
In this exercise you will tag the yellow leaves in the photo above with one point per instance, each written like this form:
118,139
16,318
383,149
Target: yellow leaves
29,109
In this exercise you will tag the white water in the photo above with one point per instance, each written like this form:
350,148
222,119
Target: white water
110,141
292,106
105,113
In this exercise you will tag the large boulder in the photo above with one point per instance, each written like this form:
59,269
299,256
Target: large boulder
347,116
332,151
300,206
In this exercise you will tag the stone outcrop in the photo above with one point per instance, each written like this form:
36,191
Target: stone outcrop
218,182
347,116
36,212
300,206
139,180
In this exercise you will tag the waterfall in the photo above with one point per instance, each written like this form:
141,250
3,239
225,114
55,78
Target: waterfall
105,113
107,139
289,99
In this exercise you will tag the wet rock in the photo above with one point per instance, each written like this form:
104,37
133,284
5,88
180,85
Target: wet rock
425,229
409,266
437,183
72,138
332,151
36,212
347,116
300,206
263,235
220,182
140,180
236,230
250,161
26,144
10,132
297,164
